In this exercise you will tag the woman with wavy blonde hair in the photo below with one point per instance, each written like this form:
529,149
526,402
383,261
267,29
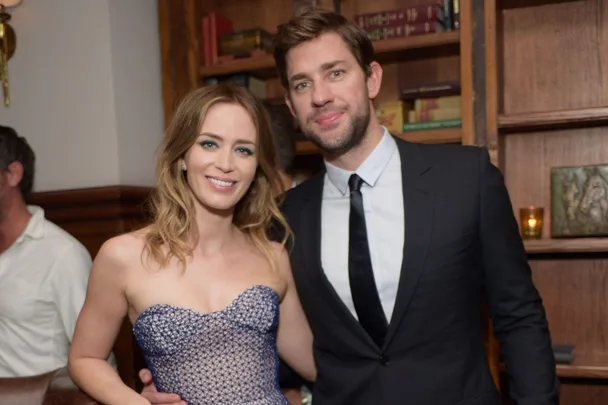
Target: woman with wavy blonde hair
203,284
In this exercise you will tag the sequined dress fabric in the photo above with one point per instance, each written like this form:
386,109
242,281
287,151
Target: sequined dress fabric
220,358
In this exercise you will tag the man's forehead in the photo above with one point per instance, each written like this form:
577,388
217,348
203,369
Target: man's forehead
317,53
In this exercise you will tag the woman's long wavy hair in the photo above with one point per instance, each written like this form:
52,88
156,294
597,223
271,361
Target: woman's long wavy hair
173,232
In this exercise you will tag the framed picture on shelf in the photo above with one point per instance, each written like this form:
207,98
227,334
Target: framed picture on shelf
579,201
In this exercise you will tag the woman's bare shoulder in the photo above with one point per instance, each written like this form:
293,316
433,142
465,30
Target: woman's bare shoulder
279,250
123,250
282,259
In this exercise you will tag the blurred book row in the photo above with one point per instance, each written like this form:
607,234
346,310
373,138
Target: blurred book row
432,106
220,43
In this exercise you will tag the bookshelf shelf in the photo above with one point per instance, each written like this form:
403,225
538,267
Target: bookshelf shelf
582,371
577,245
583,367
447,135
387,49
559,119
254,64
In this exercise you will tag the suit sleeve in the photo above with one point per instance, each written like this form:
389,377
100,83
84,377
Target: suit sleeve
516,308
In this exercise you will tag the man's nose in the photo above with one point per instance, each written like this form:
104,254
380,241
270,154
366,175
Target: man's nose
321,94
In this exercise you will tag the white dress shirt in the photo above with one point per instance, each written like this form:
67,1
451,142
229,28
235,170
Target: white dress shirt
43,282
384,217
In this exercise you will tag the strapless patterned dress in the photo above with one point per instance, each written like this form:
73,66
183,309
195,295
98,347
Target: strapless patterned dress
228,357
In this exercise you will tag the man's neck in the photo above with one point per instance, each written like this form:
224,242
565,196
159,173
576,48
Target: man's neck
15,219
352,159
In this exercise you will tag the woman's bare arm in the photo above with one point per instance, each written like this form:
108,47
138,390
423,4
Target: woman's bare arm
294,335
98,325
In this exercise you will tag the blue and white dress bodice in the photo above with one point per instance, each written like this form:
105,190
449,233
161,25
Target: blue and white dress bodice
228,357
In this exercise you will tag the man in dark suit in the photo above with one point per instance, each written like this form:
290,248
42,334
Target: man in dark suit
396,244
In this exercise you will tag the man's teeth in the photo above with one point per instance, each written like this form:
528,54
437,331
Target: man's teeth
221,183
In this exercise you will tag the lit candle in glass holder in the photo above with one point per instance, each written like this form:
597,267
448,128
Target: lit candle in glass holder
531,222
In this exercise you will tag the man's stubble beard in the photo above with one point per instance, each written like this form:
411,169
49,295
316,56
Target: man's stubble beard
352,137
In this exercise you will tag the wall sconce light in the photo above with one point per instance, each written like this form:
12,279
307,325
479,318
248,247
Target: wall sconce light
8,43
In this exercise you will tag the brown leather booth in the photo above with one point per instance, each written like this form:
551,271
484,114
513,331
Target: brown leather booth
54,388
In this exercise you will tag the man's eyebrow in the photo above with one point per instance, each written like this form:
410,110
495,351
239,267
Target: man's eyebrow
332,64
220,138
298,76
325,66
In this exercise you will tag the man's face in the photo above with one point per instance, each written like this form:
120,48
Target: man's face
329,94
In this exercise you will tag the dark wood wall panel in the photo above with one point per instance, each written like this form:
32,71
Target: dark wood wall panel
555,56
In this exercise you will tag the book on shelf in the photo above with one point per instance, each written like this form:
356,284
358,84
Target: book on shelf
437,102
441,12
442,124
430,90
253,84
405,30
398,17
433,114
243,43
420,113
213,26
220,43
392,115
563,354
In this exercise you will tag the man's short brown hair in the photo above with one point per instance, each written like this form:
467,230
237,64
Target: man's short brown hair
310,25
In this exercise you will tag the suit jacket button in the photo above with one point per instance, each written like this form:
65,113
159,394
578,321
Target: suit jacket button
384,360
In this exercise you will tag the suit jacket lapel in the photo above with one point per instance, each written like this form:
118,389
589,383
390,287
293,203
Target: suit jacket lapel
419,202
310,241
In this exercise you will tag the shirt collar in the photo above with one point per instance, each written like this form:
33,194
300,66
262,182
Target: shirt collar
371,168
35,227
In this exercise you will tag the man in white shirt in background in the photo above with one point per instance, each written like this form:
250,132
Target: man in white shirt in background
43,272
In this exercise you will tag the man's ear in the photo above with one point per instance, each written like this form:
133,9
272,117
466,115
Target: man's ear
15,173
374,80
289,104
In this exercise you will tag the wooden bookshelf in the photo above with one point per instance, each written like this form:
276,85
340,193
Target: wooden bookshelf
542,112
394,48
559,119
575,245
449,135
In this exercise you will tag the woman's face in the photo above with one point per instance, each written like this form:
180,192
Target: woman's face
222,163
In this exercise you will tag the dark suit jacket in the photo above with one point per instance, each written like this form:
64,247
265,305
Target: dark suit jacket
461,243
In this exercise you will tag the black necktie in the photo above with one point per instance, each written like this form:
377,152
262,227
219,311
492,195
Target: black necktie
362,284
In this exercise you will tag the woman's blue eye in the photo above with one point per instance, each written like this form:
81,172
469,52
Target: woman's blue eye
207,144
245,151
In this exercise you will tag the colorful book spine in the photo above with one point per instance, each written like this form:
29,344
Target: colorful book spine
420,126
